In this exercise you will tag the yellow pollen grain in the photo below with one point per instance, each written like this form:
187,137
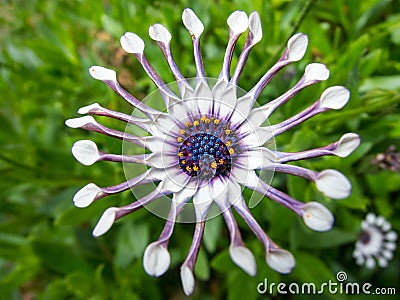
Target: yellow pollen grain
221,161
207,121
228,143
188,168
227,131
196,122
203,118
216,121
195,168
182,131
183,162
214,165
308,216
188,124
180,154
231,151
179,139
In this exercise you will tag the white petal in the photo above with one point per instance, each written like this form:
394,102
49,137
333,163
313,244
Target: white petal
101,73
245,177
387,254
316,71
85,152
244,259
88,108
186,193
202,201
79,122
204,98
360,260
379,221
159,33
371,218
175,181
107,219
281,261
86,195
391,236
256,158
187,280
238,22
132,43
156,259
297,46
192,22
333,184
334,97
224,95
347,144
370,263
317,217
390,246
382,262
255,27
386,226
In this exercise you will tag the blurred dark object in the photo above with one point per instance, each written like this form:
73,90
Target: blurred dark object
390,160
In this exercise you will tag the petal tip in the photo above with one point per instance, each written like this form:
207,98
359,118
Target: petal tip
281,260
86,195
79,122
297,46
159,33
85,152
132,43
101,73
105,222
187,280
333,184
317,217
192,22
156,259
244,259
238,22
334,97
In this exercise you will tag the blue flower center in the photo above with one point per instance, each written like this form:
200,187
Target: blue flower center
365,237
205,154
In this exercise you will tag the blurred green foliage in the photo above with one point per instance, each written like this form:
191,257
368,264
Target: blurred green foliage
46,47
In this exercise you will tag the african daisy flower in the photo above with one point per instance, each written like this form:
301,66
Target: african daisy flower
376,242
208,144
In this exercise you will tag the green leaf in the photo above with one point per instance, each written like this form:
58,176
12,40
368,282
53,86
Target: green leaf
202,267
212,233
132,240
310,268
59,258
